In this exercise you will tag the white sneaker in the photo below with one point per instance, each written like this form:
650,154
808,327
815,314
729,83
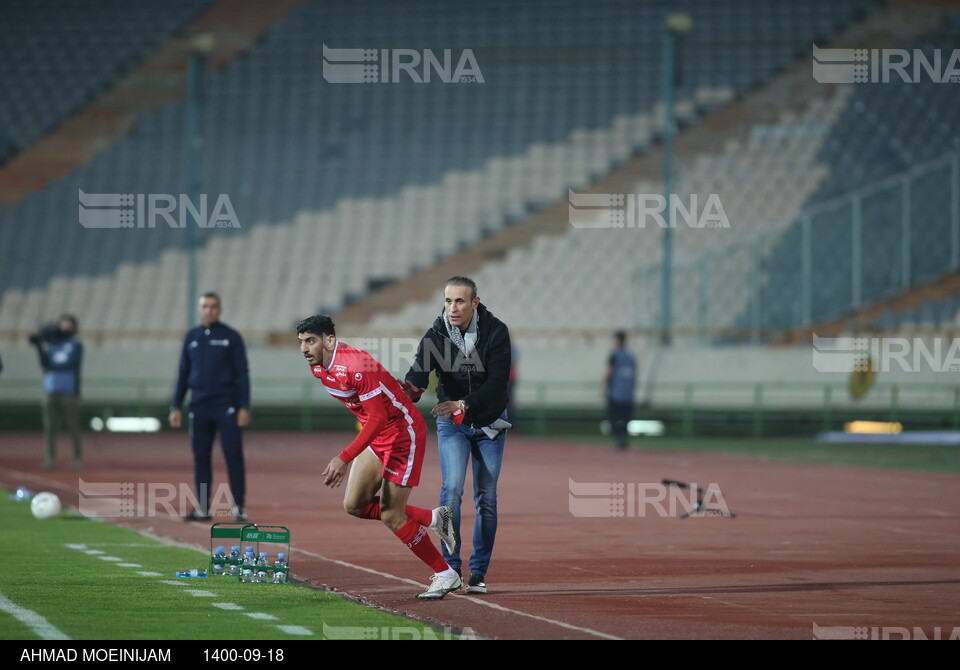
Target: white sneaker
444,527
441,586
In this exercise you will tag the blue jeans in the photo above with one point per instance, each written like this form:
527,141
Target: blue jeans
457,445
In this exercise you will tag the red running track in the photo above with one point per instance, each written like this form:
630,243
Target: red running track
811,547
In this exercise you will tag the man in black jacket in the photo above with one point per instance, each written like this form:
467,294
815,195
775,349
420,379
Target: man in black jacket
213,366
469,350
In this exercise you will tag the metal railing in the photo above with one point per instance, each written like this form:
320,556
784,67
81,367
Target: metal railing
835,257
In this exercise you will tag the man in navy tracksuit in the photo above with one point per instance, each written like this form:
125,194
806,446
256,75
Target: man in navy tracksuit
213,365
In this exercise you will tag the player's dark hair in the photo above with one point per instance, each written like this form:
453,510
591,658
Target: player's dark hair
621,337
463,281
212,294
318,324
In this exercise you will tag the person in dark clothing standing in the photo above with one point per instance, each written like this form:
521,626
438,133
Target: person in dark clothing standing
61,357
213,366
469,350
619,385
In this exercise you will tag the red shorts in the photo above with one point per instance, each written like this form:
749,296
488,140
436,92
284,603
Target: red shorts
401,451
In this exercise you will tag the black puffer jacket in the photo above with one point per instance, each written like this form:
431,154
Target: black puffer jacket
480,380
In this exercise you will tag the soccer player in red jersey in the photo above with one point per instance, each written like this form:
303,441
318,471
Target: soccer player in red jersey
386,455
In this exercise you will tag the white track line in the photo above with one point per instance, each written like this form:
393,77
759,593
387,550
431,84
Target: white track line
295,630
200,594
261,616
485,603
233,607
32,620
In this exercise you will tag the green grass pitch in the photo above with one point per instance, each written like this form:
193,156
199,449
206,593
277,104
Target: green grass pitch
85,597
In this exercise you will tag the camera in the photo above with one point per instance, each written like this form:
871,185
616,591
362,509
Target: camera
50,333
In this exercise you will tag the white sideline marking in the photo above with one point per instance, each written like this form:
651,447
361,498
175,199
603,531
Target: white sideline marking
295,630
112,559
478,601
199,593
129,565
80,547
31,620
228,606
172,583
148,573
93,552
261,615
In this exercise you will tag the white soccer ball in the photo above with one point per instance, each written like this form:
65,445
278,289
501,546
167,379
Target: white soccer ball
45,505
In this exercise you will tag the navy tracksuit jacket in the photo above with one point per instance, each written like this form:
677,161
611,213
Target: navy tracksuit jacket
213,366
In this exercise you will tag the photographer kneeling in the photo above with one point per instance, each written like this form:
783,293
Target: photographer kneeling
61,355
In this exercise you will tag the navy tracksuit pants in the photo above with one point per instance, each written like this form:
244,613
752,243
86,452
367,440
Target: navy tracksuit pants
205,423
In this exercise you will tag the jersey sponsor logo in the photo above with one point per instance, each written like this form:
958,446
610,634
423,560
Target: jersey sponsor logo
220,343
358,376
340,370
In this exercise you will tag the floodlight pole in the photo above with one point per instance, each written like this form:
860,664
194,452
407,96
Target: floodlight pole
676,25
666,277
196,65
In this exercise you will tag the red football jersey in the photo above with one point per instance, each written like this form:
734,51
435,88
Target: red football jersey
355,376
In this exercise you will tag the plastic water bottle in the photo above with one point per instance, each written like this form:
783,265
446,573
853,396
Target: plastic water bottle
191,573
280,575
262,561
22,495
219,557
249,558
235,553
248,575
234,570
262,576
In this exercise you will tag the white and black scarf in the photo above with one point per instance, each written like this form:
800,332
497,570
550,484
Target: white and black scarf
456,336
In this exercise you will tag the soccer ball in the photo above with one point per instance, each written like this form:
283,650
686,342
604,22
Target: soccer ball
45,505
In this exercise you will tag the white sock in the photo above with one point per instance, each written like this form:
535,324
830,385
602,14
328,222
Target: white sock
434,520
446,574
